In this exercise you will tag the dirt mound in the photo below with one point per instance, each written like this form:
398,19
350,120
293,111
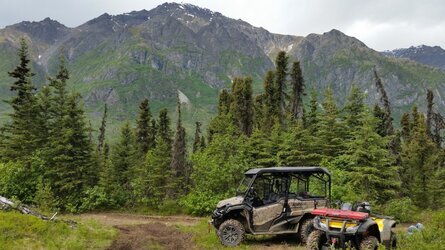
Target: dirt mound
151,236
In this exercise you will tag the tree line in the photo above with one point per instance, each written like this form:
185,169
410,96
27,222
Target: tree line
49,157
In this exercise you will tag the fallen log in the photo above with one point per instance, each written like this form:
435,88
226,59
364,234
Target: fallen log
7,205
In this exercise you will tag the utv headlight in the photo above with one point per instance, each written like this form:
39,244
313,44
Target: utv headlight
323,225
320,224
352,229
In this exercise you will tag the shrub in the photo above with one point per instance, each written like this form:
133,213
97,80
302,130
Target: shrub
402,209
200,202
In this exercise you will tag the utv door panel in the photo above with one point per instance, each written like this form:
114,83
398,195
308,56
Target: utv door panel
267,213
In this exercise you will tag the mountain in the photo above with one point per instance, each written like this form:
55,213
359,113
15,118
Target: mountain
194,52
433,56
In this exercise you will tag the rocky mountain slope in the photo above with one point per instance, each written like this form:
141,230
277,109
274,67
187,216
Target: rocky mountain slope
181,48
429,55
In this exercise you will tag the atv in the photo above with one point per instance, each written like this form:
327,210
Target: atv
277,200
351,227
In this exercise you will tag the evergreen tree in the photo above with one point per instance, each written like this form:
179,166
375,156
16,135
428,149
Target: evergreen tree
164,130
69,158
242,104
354,108
197,143
103,125
405,127
270,107
379,115
145,131
312,119
420,161
372,171
387,118
296,101
151,182
20,137
260,149
332,131
429,113
124,157
43,121
178,161
299,147
281,64
224,101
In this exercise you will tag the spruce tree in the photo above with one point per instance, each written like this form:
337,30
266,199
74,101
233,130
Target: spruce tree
242,104
299,147
429,113
197,143
164,131
20,137
281,64
296,99
387,119
405,127
152,182
124,157
270,106
44,117
372,172
420,161
224,101
103,125
145,132
332,131
312,117
178,161
354,108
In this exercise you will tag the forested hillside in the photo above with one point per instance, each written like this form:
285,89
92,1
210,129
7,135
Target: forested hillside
49,157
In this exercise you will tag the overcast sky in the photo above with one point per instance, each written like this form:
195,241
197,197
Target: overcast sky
381,24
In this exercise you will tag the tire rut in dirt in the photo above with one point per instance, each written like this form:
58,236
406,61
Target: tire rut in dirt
156,235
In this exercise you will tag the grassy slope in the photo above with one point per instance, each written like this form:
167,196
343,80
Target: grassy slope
19,231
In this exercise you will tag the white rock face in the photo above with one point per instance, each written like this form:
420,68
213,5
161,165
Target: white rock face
183,98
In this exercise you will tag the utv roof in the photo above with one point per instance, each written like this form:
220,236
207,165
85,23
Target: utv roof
288,170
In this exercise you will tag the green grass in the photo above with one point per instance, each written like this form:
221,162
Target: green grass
19,231
207,239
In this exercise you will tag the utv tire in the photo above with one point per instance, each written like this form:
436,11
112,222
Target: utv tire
316,240
369,243
231,233
306,227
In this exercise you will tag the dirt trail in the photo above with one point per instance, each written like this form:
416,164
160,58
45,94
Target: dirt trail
147,232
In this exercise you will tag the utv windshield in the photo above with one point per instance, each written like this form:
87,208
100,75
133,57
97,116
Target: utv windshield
244,185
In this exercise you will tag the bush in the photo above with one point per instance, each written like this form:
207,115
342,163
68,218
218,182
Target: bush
200,202
402,209
431,237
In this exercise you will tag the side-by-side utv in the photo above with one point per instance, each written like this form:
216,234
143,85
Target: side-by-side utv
277,200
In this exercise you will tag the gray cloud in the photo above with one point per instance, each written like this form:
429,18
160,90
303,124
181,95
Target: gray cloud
381,24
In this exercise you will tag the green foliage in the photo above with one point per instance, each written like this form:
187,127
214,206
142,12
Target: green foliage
20,179
296,98
20,136
402,209
201,202
28,232
431,237
146,129
44,197
153,178
124,157
242,104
